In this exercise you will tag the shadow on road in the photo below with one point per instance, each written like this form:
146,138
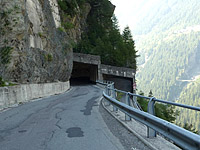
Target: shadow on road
80,81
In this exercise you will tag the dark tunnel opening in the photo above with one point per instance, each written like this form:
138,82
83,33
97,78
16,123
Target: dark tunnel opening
83,73
121,83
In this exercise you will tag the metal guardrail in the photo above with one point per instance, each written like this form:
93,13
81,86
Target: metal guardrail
183,138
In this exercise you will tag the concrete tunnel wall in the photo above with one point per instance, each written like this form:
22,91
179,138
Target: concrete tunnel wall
89,67
121,83
84,71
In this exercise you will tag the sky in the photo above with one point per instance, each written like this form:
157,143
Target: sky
129,12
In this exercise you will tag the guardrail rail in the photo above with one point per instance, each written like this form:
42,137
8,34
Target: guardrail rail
181,137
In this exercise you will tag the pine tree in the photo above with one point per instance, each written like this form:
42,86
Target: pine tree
190,127
127,36
150,93
163,111
130,52
103,37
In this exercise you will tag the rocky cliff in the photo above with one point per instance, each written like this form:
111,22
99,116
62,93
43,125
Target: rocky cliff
37,38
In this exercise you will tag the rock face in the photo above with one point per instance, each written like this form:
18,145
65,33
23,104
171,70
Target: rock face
33,48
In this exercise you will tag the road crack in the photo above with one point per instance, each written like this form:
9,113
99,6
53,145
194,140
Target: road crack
58,118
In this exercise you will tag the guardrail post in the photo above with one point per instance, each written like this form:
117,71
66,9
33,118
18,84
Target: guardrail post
135,102
108,87
127,100
107,92
151,133
113,91
115,109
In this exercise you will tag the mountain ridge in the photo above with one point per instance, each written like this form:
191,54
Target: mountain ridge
157,39
169,47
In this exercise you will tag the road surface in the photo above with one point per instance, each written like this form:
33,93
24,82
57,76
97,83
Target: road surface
70,121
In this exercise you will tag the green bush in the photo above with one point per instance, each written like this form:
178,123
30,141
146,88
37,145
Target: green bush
190,127
2,82
68,7
48,57
80,2
61,29
5,54
41,34
163,111
62,4
67,25
119,96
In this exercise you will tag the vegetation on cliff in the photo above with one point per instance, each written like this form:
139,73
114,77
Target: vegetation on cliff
103,37
32,49
37,38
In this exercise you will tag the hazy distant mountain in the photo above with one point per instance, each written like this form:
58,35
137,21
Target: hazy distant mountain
168,39
163,15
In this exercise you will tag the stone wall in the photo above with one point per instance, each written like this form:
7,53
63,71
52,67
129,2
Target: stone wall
26,92
87,59
117,71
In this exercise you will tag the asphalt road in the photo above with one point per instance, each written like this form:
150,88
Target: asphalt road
70,121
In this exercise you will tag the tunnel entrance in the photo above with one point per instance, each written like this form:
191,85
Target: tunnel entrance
121,83
83,73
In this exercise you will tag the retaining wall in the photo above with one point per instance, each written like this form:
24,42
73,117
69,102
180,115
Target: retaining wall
26,92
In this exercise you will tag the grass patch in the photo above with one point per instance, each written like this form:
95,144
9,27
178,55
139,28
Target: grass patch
4,83
119,96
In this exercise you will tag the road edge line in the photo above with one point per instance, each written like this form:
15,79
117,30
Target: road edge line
128,128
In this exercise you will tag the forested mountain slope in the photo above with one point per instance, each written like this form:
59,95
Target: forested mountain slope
168,39
191,96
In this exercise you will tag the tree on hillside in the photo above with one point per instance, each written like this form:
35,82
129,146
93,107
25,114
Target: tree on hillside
163,111
150,93
103,37
142,102
127,36
129,45
190,128
116,41
115,23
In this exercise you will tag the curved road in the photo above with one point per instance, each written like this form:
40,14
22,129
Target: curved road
70,121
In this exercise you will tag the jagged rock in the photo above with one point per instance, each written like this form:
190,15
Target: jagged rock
32,48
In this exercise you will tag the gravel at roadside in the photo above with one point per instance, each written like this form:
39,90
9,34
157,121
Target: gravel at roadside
127,139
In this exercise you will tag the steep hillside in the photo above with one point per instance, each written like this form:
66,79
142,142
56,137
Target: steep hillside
190,95
167,15
168,40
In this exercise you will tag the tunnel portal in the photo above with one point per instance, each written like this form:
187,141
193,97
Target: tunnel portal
85,68
88,68
84,73
121,83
